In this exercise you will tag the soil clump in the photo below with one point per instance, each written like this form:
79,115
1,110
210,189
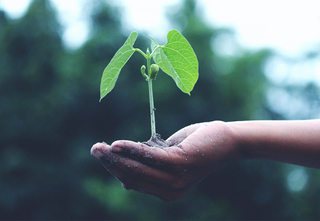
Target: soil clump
157,141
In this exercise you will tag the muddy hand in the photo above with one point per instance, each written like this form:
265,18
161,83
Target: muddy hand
168,173
143,168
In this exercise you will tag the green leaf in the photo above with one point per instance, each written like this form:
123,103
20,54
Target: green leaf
111,72
178,60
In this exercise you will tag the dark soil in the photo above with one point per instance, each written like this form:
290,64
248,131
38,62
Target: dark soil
157,141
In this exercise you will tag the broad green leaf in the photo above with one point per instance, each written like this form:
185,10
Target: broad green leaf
111,72
178,60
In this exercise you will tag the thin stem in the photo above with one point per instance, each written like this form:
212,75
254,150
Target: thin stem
152,109
141,52
159,46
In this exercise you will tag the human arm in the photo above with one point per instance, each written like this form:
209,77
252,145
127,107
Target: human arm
295,142
199,149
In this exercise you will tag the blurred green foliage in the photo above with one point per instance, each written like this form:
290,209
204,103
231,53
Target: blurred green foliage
50,117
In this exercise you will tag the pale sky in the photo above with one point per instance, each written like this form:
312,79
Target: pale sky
290,27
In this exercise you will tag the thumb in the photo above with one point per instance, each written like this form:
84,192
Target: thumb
182,134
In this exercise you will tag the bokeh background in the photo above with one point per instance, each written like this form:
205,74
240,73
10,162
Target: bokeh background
50,116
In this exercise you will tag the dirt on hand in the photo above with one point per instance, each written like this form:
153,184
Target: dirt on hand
157,141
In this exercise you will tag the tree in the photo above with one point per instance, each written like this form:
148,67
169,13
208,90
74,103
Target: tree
37,182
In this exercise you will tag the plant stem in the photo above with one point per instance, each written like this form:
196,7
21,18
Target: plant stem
152,109
141,52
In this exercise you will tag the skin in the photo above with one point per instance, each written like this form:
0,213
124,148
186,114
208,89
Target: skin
197,150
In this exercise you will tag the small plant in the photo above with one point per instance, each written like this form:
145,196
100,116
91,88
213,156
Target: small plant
176,58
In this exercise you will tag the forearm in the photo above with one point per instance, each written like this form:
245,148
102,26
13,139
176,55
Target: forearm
295,142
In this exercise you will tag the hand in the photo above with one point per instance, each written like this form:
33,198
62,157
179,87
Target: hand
169,173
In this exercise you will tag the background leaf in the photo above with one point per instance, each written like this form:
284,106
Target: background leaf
178,60
112,71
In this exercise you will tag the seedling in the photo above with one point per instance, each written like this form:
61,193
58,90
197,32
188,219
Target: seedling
176,58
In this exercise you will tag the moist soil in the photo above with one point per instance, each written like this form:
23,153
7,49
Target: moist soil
157,141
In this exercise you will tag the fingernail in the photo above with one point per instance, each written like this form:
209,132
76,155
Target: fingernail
96,150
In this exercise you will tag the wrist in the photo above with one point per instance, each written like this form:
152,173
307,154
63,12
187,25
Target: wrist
238,140
227,139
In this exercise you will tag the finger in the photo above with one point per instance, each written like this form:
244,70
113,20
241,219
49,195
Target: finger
152,156
150,174
122,167
160,190
102,151
99,149
139,177
182,134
